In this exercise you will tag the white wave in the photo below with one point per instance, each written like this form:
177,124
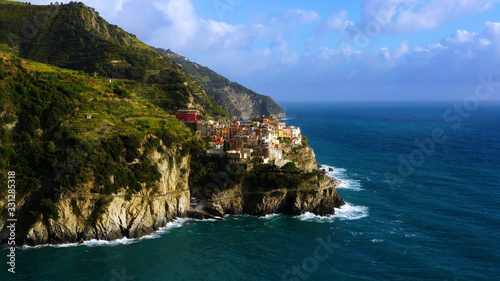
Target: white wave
345,212
122,241
67,245
269,216
377,240
351,212
340,173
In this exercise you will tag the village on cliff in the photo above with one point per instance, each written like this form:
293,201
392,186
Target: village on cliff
242,141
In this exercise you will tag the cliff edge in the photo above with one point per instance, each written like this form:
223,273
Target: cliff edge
276,189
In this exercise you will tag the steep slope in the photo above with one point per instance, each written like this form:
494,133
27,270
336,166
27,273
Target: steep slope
74,36
241,102
89,161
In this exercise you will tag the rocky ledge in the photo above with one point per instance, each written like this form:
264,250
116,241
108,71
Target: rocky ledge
320,198
317,195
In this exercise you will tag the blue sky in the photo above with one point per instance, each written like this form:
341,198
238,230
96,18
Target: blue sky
359,50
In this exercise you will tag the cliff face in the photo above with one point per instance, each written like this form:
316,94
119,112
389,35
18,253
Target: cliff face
94,216
304,158
240,102
317,195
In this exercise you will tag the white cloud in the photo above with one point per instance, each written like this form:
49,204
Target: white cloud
403,50
492,34
445,70
392,60
386,54
297,17
408,15
494,27
262,56
471,43
462,36
337,21
183,22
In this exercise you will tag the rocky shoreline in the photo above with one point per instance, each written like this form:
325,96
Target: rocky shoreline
146,213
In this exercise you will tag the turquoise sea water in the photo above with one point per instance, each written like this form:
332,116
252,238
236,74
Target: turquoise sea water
441,221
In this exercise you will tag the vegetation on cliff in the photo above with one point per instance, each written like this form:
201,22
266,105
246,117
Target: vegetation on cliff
64,132
212,174
91,130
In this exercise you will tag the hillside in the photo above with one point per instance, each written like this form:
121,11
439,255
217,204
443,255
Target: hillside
86,120
70,136
241,102
74,36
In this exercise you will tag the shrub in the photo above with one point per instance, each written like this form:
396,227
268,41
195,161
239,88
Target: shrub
305,141
132,145
50,209
290,167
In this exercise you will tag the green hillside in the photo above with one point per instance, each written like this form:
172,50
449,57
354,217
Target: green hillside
74,36
61,129
65,129
86,119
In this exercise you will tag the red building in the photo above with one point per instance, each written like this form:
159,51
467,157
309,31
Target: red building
187,115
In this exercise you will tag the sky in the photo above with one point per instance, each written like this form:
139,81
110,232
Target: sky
356,50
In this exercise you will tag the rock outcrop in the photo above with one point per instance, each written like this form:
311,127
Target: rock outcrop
317,195
303,157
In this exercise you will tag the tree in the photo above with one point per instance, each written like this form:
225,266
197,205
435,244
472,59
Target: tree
227,146
290,167
257,160
305,141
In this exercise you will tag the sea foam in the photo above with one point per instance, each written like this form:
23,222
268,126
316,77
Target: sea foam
341,174
269,216
345,212
122,241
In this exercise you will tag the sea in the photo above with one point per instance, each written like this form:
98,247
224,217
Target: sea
421,182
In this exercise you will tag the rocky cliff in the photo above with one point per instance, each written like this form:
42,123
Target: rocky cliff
316,194
104,158
303,157
318,197
95,216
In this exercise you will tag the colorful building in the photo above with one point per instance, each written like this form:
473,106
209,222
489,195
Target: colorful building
187,115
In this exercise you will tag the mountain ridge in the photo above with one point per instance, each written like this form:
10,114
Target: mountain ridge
239,101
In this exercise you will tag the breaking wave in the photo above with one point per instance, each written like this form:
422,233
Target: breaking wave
122,241
341,174
346,212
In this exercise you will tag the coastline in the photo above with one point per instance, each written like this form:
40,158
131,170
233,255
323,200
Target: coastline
179,221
